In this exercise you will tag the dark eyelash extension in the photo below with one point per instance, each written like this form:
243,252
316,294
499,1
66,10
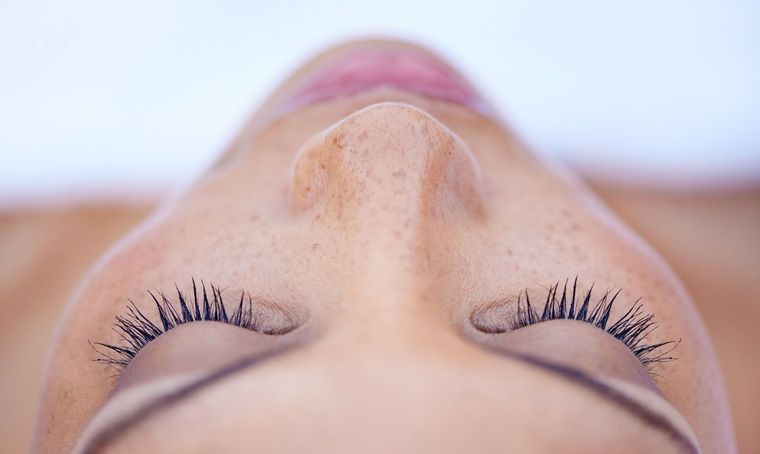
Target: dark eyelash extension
136,330
632,328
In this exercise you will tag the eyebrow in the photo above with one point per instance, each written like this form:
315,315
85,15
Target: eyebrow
651,418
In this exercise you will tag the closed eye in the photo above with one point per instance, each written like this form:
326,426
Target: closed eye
136,330
633,328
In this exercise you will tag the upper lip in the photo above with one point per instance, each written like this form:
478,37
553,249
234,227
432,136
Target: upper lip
406,69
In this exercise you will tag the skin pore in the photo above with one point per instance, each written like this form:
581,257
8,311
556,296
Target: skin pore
370,229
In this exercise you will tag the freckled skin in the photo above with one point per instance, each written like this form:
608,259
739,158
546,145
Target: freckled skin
385,219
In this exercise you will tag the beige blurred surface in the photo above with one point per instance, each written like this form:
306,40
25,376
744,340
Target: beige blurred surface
710,239
44,254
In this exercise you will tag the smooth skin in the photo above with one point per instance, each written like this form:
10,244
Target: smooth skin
377,226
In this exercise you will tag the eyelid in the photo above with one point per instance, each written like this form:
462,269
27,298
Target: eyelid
111,424
658,405
126,406
137,330
199,349
579,346
124,411
644,403
632,328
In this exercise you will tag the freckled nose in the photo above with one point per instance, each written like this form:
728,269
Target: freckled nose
386,160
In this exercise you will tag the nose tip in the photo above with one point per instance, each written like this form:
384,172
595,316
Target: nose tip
392,157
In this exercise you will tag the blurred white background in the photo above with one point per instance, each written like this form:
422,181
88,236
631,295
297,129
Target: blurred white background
101,97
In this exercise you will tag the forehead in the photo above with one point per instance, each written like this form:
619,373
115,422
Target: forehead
390,405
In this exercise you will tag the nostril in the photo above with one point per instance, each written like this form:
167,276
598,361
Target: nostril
391,157
310,172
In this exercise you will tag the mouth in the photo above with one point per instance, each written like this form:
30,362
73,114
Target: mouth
404,69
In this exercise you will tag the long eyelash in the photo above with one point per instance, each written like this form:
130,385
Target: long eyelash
136,330
632,328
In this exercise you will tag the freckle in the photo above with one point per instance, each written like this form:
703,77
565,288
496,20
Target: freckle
254,217
315,246
510,253
399,173
362,137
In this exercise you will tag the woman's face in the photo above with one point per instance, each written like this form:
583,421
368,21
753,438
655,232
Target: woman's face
385,233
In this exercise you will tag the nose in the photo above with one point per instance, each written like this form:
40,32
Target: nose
391,160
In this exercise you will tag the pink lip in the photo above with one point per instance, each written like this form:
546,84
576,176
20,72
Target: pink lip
403,69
